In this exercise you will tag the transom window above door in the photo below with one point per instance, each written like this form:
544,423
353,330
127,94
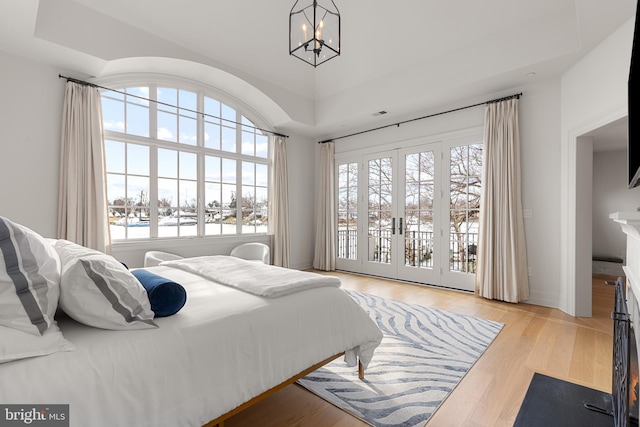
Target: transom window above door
181,163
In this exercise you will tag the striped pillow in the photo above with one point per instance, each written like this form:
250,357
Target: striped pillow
97,290
29,279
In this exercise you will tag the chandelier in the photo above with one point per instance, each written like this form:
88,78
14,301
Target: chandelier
314,31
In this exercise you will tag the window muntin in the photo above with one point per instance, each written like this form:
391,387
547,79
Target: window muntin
173,172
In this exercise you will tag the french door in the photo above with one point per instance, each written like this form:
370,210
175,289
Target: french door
411,214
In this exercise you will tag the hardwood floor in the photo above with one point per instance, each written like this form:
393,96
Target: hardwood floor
533,339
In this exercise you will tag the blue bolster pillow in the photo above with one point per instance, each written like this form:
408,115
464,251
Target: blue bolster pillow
166,297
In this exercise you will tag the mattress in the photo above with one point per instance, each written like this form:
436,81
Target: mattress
222,349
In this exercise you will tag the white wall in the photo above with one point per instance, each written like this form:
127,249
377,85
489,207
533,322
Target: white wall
584,194
540,152
540,162
31,112
301,165
611,194
593,93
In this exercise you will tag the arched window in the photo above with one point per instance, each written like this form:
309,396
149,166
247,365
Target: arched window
181,163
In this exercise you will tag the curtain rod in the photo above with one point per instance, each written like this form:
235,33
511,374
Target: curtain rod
517,95
82,82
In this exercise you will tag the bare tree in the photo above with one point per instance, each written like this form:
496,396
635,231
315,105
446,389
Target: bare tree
464,203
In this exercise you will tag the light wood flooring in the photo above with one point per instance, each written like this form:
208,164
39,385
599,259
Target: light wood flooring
533,339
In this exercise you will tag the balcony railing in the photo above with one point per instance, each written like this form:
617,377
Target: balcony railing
348,243
418,248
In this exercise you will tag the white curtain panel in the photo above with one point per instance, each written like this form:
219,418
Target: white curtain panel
502,259
325,248
83,212
279,215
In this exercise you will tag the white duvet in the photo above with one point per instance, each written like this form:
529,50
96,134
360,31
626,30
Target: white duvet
223,348
253,277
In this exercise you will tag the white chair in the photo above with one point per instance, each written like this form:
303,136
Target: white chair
152,258
252,252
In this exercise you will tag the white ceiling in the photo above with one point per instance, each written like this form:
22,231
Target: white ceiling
407,57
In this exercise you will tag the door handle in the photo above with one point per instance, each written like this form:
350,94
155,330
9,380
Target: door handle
400,227
393,226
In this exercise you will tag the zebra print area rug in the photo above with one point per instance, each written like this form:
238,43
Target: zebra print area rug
424,354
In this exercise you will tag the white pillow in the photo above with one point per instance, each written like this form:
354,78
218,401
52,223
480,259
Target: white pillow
97,290
16,344
29,279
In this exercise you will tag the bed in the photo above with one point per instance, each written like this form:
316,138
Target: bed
224,348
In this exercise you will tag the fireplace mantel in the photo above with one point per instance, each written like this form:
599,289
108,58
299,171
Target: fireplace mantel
630,222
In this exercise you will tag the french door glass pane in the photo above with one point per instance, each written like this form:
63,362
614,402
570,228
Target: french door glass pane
380,210
418,210
464,203
348,211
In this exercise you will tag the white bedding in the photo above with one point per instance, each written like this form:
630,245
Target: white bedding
253,277
223,348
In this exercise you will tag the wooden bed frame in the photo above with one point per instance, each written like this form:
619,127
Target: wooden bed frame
219,422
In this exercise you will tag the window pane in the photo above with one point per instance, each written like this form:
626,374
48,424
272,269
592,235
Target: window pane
188,214
114,153
137,120
212,168
167,163
229,139
228,170
188,196
113,114
138,200
380,203
188,166
140,95
167,207
116,194
262,146
418,228
211,136
137,159
213,208
248,214
138,191
167,196
229,116
167,126
248,200
228,209
167,96
212,196
212,109
248,145
248,173
188,101
261,210
466,171
113,95
188,131
262,175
